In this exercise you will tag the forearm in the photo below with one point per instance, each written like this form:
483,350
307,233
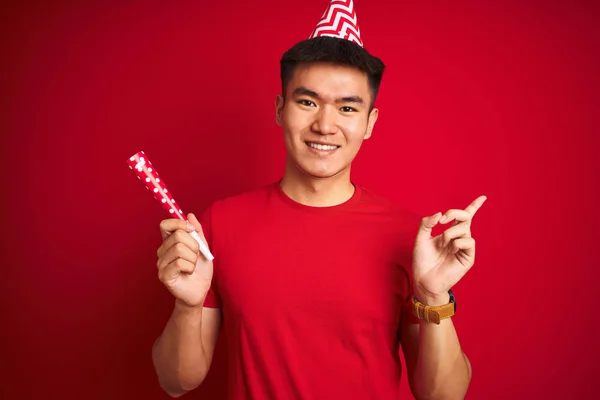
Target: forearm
178,355
442,371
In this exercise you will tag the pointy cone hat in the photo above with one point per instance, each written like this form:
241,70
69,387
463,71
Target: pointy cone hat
339,20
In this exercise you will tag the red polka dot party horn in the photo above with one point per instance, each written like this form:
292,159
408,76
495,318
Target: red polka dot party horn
142,167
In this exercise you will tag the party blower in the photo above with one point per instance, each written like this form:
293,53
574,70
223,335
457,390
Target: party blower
142,167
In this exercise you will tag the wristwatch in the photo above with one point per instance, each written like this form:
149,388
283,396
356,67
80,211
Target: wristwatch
434,314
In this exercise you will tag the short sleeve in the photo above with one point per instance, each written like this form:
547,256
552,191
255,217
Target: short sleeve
408,317
405,258
406,290
213,299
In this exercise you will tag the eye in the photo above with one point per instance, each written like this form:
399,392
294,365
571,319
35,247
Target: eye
307,103
348,109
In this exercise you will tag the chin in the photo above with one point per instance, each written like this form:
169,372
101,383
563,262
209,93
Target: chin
316,172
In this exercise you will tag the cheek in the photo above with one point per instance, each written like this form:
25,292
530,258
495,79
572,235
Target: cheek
355,128
295,122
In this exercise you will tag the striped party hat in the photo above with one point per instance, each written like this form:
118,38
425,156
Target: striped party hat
339,20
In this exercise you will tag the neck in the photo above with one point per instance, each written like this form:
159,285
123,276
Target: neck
316,192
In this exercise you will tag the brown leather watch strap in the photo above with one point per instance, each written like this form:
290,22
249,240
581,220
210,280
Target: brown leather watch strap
432,314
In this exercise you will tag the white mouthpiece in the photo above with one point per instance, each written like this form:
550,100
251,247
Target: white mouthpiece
203,248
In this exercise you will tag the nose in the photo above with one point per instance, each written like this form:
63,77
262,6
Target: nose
325,121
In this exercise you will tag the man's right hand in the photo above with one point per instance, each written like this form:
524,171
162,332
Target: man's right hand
185,272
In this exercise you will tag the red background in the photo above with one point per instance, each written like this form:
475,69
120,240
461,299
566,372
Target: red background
498,99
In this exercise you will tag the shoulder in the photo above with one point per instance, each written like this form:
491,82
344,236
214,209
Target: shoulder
233,210
245,198
396,209
394,218
241,202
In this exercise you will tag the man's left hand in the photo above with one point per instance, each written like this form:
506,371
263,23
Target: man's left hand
440,262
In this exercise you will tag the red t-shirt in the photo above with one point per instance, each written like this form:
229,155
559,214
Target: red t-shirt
312,297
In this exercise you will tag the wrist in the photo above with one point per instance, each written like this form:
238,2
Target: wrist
433,307
184,307
432,300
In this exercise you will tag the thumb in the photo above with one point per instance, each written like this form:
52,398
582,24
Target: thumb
427,225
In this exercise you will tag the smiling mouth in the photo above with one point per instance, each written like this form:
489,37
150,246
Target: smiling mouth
323,147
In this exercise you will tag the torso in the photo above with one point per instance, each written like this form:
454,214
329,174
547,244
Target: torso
312,298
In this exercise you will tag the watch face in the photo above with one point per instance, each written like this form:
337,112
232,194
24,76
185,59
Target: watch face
452,299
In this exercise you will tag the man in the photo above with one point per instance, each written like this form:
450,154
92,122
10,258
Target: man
319,282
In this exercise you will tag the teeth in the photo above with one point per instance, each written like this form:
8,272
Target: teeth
322,146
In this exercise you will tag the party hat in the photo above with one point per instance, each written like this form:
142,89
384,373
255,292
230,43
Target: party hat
339,20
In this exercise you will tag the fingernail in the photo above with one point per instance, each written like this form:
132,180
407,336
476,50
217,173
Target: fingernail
191,227
444,217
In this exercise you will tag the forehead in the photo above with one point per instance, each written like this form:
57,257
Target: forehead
330,80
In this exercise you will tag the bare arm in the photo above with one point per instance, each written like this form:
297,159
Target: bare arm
183,353
437,367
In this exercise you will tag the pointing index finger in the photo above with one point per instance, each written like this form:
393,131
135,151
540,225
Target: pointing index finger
475,205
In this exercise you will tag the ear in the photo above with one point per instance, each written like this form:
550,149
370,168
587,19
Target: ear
279,103
371,122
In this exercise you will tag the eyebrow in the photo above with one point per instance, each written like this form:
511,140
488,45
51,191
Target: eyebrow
302,91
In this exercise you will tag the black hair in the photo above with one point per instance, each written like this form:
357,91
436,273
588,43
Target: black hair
335,50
